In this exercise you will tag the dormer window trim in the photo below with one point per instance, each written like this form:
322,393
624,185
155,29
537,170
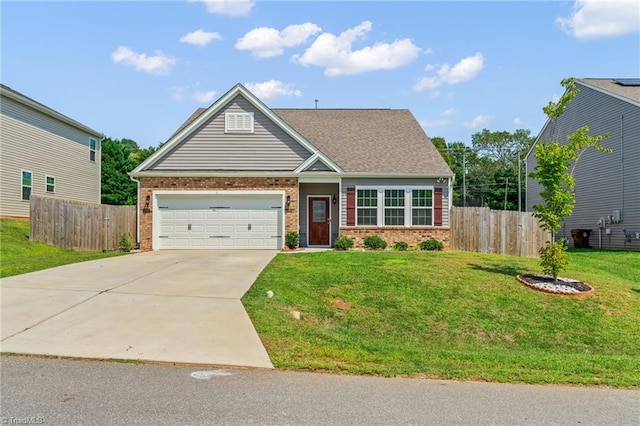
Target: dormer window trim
238,122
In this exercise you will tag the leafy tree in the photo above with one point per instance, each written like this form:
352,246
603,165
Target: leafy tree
130,144
506,150
116,187
553,174
120,156
142,154
503,147
441,146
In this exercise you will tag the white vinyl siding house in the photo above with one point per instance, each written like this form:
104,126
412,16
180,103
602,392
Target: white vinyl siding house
43,152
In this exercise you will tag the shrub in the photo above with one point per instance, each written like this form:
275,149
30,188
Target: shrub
126,242
343,243
401,246
292,239
431,244
374,242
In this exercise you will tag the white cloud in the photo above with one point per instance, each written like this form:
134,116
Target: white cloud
160,64
200,37
517,121
204,97
336,55
601,18
480,120
265,42
464,70
271,89
448,112
227,7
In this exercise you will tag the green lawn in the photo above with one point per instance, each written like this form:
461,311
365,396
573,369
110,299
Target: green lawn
452,315
18,255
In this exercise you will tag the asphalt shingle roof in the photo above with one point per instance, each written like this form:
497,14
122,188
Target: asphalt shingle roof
610,85
363,140
368,140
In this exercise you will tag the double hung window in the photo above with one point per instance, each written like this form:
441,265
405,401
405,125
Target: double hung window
394,206
27,184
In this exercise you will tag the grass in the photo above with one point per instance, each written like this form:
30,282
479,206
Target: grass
451,315
18,255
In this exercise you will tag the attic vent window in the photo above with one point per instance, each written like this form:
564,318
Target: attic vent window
238,122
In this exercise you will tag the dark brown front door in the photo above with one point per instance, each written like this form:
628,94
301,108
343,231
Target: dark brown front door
319,224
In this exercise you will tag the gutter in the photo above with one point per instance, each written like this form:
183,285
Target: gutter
275,174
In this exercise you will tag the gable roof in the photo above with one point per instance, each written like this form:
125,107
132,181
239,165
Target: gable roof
360,141
608,86
368,140
611,87
200,116
189,120
27,101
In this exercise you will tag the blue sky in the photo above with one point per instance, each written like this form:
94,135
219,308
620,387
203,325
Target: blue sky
139,69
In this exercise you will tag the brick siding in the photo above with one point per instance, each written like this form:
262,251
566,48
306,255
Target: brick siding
150,184
411,236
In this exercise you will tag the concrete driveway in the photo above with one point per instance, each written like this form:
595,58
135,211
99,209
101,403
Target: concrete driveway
168,306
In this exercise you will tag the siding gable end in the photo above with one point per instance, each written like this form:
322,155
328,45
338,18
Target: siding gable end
211,148
270,126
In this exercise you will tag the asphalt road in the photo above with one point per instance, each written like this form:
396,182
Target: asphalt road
54,391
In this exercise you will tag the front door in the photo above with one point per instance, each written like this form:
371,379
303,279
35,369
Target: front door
319,224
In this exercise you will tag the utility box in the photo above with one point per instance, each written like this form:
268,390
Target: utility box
581,238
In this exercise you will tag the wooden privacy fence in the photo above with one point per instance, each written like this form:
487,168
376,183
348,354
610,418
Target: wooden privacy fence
483,230
78,225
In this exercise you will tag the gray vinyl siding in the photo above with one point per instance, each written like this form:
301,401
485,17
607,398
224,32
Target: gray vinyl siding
346,183
33,141
310,189
318,166
604,182
209,148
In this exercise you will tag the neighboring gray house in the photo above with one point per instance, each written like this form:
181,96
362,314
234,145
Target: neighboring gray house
607,185
241,175
43,152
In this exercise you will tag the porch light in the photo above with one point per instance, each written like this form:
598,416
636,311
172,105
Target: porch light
288,200
334,199
146,204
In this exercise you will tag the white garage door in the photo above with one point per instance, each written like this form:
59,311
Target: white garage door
219,222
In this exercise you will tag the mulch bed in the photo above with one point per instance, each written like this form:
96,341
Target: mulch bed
564,286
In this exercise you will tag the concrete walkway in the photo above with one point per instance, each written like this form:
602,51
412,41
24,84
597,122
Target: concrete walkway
168,306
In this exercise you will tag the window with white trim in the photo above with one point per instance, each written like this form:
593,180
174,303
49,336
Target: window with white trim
50,184
238,122
92,149
422,207
367,207
27,184
394,206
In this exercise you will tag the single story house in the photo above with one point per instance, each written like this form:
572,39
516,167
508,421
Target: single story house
607,193
241,175
44,152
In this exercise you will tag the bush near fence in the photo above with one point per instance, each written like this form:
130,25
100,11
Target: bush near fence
482,230
77,225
